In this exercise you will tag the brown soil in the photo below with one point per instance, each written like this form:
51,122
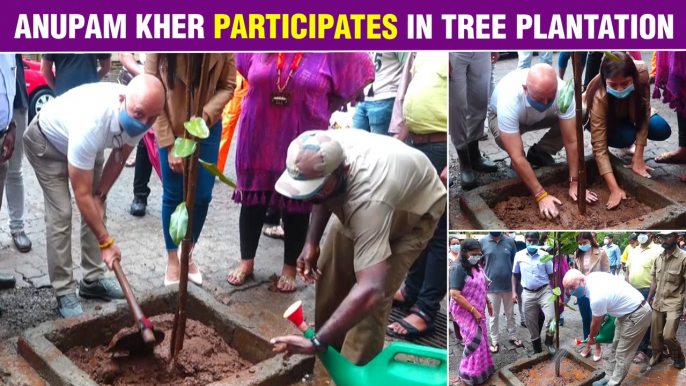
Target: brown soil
543,374
523,213
205,358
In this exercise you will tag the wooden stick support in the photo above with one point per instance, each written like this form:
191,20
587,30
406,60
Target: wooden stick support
581,185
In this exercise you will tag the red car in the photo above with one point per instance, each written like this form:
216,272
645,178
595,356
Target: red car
39,91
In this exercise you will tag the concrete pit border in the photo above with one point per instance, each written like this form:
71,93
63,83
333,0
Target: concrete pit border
42,347
668,214
507,373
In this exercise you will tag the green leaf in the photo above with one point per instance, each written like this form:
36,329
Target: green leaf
546,258
552,298
198,128
566,96
553,325
214,170
557,291
179,223
609,55
183,147
568,306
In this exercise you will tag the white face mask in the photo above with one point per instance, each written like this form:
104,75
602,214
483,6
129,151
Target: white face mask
607,241
642,238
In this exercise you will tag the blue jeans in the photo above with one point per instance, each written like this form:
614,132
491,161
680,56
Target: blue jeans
172,186
563,59
624,135
525,58
374,116
584,304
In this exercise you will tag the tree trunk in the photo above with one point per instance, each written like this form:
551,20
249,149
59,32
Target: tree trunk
190,174
581,185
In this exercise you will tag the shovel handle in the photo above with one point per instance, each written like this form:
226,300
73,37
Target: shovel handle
138,316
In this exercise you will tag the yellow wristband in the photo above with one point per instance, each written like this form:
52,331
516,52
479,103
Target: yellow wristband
544,195
107,243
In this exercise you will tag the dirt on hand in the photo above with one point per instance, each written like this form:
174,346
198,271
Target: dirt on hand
523,212
543,374
205,358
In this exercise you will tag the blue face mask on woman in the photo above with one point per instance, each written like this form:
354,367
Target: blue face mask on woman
584,248
620,94
538,106
132,126
455,248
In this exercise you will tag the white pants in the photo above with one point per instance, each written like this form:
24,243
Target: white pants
506,298
525,58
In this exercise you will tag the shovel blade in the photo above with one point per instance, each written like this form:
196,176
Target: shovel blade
133,343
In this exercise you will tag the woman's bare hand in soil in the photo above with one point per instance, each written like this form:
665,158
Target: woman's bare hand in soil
590,196
548,207
616,197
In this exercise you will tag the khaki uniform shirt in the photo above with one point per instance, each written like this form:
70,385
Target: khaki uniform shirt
670,273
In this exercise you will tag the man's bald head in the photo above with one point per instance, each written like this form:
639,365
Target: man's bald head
572,279
144,98
541,83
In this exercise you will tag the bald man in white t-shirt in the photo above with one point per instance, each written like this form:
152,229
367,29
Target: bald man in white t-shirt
527,100
610,294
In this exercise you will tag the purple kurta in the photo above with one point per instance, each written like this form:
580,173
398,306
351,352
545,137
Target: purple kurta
670,79
322,83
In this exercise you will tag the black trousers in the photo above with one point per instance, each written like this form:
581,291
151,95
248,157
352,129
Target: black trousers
142,172
681,121
425,285
593,61
294,228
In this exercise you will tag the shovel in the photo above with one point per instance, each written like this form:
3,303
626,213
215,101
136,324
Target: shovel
146,337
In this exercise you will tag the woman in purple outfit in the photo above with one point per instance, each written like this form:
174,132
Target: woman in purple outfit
289,94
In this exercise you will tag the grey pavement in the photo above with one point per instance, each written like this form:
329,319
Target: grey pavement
663,173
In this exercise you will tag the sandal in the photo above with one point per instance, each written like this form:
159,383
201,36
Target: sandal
495,348
682,178
288,281
665,158
586,354
402,304
275,232
412,331
239,275
516,342
131,162
640,358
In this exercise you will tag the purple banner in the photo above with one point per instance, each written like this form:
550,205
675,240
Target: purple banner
267,25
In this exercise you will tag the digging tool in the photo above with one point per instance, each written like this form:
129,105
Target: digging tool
143,337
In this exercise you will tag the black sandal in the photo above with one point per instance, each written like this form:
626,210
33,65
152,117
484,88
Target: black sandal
497,348
412,331
402,304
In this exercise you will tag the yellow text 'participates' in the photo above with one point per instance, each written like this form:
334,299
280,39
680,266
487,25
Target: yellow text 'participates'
300,26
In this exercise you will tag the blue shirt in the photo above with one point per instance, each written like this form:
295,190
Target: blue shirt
613,254
534,273
8,88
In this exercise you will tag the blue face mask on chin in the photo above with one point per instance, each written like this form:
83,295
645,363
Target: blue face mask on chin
455,248
579,292
620,94
132,126
538,106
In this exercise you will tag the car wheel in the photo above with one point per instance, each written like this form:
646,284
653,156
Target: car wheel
38,101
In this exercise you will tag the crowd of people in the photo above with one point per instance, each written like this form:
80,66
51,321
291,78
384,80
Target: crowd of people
645,303
616,110
382,183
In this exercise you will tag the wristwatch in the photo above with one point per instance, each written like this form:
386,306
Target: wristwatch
321,349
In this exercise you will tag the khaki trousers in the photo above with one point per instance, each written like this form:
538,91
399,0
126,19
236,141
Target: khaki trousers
506,298
533,301
52,173
665,325
366,340
551,142
629,331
